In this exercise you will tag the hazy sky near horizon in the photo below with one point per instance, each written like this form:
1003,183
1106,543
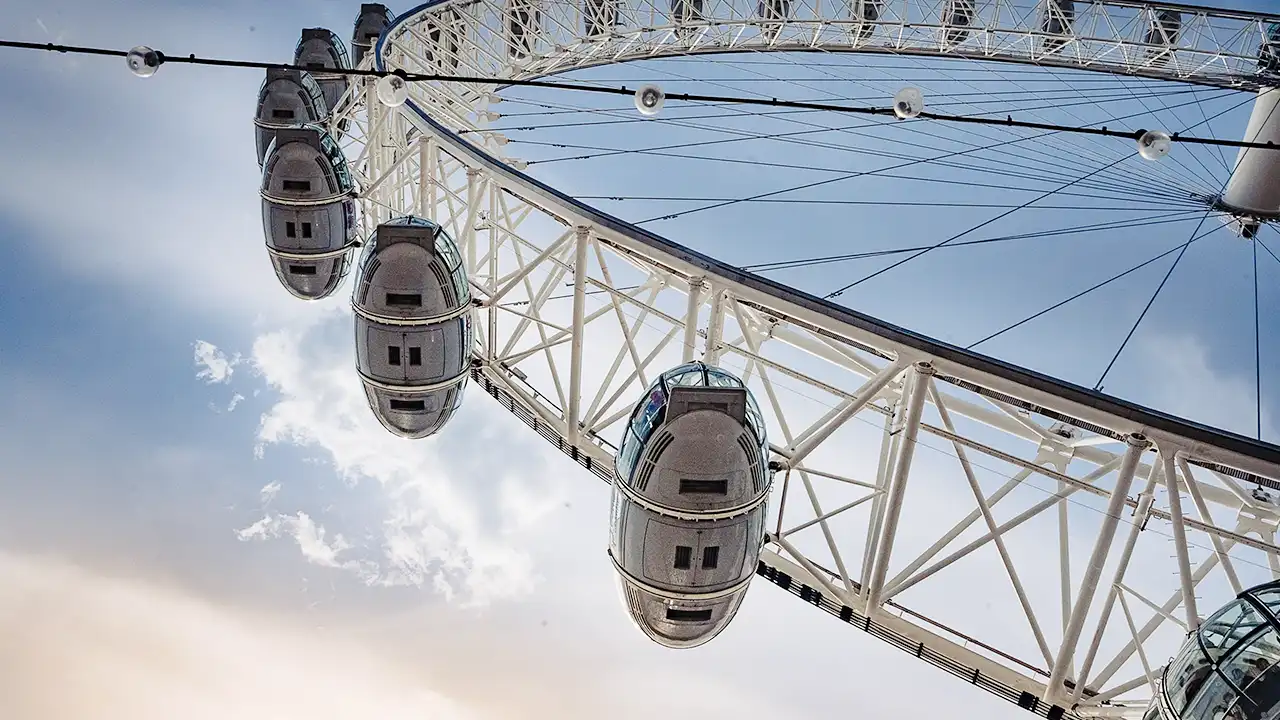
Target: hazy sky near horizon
199,517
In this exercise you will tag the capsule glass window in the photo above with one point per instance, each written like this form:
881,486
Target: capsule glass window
1228,627
651,415
338,161
628,454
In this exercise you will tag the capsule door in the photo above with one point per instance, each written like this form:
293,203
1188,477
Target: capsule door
668,548
389,358
425,352
302,229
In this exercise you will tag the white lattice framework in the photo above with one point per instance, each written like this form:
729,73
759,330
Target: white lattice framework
1109,529
536,38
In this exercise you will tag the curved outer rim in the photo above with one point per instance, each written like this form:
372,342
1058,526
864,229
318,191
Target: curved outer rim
1246,83
1178,429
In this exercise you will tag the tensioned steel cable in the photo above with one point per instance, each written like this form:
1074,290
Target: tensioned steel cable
1095,154
1268,249
1147,183
1008,121
1154,295
848,176
980,225
769,267
1090,289
877,203
1174,201
1058,161
1131,223
922,128
749,135
1257,343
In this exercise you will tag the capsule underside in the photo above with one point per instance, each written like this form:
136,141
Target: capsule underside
688,509
413,327
309,238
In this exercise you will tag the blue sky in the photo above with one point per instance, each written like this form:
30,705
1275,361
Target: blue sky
133,489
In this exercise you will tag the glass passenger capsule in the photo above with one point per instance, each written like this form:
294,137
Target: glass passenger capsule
413,322
287,98
322,53
308,211
1163,32
446,31
689,504
773,13
864,14
524,24
1057,24
1269,52
599,17
1227,669
957,16
373,19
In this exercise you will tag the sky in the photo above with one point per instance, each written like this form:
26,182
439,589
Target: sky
199,516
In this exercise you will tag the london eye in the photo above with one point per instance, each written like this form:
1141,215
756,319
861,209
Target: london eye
802,420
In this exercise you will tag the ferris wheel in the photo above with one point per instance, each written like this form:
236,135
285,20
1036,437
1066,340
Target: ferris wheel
752,430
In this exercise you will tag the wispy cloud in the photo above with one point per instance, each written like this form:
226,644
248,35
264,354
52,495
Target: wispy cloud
269,492
452,513
313,540
1187,382
214,365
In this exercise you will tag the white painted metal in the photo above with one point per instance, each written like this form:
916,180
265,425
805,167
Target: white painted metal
1252,188
1216,47
879,461
1093,571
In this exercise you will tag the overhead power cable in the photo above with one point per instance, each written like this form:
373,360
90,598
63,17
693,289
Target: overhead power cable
1007,121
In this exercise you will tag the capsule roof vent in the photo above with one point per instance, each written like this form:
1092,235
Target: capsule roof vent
732,401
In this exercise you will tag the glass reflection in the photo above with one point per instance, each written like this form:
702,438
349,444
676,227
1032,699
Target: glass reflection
651,411
1227,669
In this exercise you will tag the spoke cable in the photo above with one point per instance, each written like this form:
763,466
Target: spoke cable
1154,295
1090,289
1127,188
1149,221
1002,215
1257,343
1007,121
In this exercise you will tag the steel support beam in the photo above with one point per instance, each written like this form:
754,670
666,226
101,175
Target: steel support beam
1092,571
583,240
919,390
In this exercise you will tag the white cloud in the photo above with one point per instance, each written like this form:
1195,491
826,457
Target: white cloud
452,513
215,366
312,541
235,402
1187,383
269,492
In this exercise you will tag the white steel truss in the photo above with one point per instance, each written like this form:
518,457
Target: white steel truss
535,38
1045,542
